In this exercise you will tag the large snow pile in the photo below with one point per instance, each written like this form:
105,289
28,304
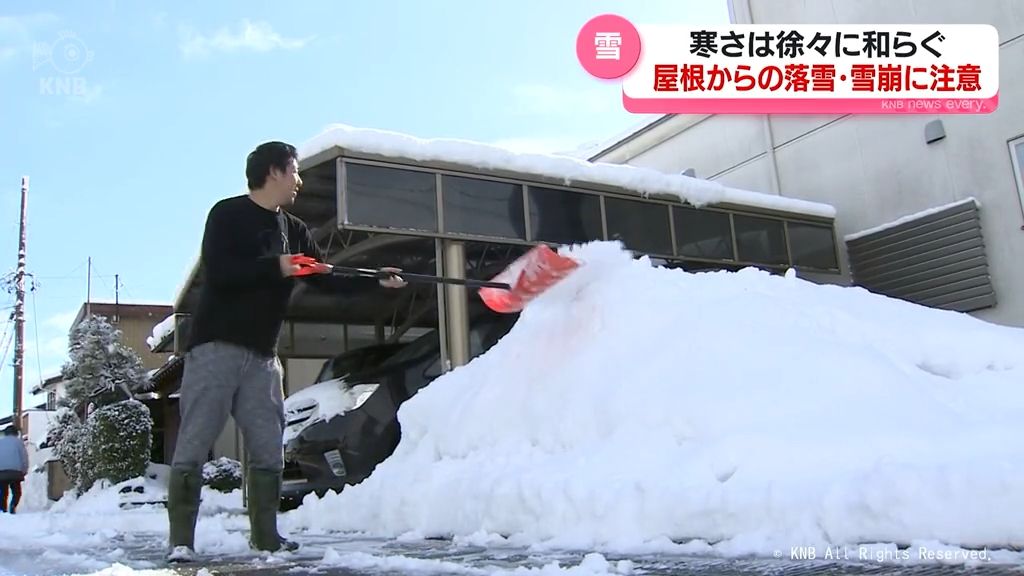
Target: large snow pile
743,412
570,170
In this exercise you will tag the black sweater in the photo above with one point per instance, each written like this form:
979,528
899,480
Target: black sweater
244,296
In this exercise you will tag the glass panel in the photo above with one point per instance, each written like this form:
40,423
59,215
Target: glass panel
564,217
324,340
391,197
703,234
320,181
1018,150
641,226
760,240
483,207
812,245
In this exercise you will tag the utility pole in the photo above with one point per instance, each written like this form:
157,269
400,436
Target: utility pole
117,298
19,308
88,289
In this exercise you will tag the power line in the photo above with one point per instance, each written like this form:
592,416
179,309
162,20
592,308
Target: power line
101,276
6,348
76,277
127,291
35,326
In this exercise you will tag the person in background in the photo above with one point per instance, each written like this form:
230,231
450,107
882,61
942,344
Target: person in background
13,468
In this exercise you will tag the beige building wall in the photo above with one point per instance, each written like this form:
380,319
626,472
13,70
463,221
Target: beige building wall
873,169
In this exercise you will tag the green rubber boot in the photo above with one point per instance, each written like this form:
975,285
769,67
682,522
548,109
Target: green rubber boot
183,496
264,501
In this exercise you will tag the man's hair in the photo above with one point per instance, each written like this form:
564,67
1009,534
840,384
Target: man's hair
266,156
11,430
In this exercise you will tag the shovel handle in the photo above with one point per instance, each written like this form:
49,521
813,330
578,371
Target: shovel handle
372,273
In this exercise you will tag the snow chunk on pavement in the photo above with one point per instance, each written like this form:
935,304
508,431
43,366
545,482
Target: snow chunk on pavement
591,565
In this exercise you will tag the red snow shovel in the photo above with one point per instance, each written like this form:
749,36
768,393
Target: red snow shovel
508,292
528,276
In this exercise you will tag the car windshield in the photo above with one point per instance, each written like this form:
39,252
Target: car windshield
355,361
430,344
418,347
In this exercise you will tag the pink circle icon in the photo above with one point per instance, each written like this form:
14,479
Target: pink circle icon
608,46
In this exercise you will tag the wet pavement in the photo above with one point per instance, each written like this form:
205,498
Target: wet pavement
338,555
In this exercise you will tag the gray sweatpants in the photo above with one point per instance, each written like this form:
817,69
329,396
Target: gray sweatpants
219,379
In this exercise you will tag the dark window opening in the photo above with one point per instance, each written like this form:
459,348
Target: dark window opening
390,197
812,246
703,234
564,217
483,207
641,226
760,240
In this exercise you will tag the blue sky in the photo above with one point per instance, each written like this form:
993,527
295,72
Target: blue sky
139,116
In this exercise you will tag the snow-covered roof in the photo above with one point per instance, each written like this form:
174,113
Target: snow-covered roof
161,331
569,170
910,218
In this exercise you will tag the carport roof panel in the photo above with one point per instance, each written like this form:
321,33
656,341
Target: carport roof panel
468,156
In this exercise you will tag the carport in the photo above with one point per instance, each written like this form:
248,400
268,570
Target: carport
462,209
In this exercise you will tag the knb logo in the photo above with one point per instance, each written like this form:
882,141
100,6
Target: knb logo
68,55
803,553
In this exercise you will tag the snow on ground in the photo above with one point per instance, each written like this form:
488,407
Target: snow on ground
93,532
592,565
568,169
633,407
642,413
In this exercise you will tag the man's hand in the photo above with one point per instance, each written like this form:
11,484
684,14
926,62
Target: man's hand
393,281
290,268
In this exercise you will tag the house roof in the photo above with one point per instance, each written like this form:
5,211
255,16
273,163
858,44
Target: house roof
124,310
167,374
47,383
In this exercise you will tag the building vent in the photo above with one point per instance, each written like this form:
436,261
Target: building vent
934,258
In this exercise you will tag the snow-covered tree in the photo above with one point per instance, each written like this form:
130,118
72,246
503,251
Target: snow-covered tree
120,438
67,436
102,432
100,369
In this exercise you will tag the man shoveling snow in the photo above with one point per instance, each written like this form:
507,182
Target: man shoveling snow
249,255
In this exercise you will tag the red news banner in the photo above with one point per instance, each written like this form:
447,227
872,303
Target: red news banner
797,69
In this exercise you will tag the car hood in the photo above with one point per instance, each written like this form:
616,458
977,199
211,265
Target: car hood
322,402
